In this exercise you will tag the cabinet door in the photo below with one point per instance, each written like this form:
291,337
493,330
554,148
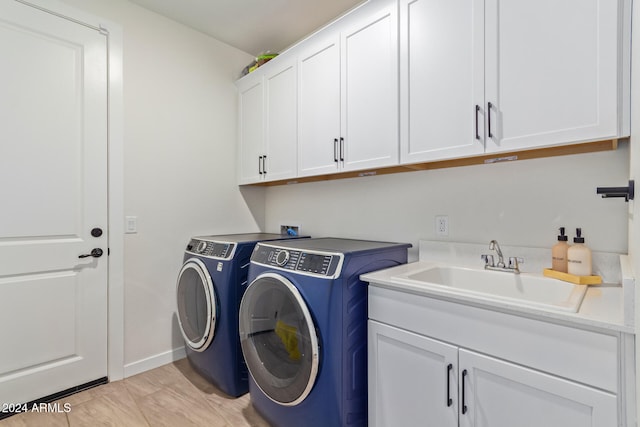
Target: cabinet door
319,108
412,379
551,72
250,129
370,92
500,394
281,119
441,79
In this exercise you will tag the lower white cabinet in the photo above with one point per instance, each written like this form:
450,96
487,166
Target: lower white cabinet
412,379
495,393
415,380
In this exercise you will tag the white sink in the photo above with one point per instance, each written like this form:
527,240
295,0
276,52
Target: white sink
521,289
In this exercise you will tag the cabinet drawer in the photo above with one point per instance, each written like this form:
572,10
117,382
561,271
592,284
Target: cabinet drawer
585,356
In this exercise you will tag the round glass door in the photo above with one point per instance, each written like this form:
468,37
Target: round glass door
278,339
196,305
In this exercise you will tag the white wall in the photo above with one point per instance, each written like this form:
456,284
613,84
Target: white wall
519,203
179,156
180,115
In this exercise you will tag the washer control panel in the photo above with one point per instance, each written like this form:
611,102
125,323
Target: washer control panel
306,262
211,249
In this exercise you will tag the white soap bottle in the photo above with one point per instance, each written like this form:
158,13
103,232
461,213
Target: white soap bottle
579,256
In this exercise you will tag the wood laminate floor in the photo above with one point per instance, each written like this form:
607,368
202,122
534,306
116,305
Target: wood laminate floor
171,395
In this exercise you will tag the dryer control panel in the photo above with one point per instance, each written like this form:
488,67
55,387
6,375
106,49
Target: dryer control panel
211,249
304,262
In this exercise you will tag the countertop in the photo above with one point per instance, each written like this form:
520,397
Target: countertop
603,306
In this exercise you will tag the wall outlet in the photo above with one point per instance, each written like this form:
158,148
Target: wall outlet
290,230
442,225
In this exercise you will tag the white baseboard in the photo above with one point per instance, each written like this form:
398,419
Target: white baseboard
154,361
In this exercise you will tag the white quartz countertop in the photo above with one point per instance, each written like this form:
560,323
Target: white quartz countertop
601,308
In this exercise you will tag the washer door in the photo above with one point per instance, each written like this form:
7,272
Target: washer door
196,304
278,339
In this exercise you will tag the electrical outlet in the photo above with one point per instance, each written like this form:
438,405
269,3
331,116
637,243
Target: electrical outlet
442,225
290,230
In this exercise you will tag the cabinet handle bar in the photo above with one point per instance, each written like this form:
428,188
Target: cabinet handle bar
449,399
464,402
489,106
477,125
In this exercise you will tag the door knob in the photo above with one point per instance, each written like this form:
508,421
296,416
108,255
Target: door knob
96,232
96,253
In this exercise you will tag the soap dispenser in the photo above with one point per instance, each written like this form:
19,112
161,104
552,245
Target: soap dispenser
559,253
579,256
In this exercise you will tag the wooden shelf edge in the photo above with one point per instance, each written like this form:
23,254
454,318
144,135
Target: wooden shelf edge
563,150
571,278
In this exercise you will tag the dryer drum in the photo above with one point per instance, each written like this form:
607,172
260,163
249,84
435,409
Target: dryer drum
196,305
278,339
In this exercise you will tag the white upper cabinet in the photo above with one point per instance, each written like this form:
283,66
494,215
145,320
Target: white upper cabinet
348,98
281,122
417,81
250,129
552,72
370,92
319,107
441,78
488,76
267,141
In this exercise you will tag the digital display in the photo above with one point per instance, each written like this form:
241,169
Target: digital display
220,249
313,263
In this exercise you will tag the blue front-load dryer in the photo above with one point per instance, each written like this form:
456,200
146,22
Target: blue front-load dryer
209,289
303,329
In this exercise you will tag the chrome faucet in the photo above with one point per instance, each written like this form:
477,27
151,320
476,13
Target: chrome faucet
514,262
494,246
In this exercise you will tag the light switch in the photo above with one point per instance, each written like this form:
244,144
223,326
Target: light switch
131,224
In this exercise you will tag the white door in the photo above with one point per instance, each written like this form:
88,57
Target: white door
412,379
281,116
251,122
551,72
441,79
370,92
319,108
494,393
53,192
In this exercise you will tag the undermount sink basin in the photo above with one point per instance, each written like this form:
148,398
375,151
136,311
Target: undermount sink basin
521,289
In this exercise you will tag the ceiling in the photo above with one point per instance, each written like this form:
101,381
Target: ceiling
253,26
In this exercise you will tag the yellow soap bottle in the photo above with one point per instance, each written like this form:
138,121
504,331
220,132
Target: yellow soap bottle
559,253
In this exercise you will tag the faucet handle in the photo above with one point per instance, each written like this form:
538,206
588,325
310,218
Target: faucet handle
488,260
514,262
